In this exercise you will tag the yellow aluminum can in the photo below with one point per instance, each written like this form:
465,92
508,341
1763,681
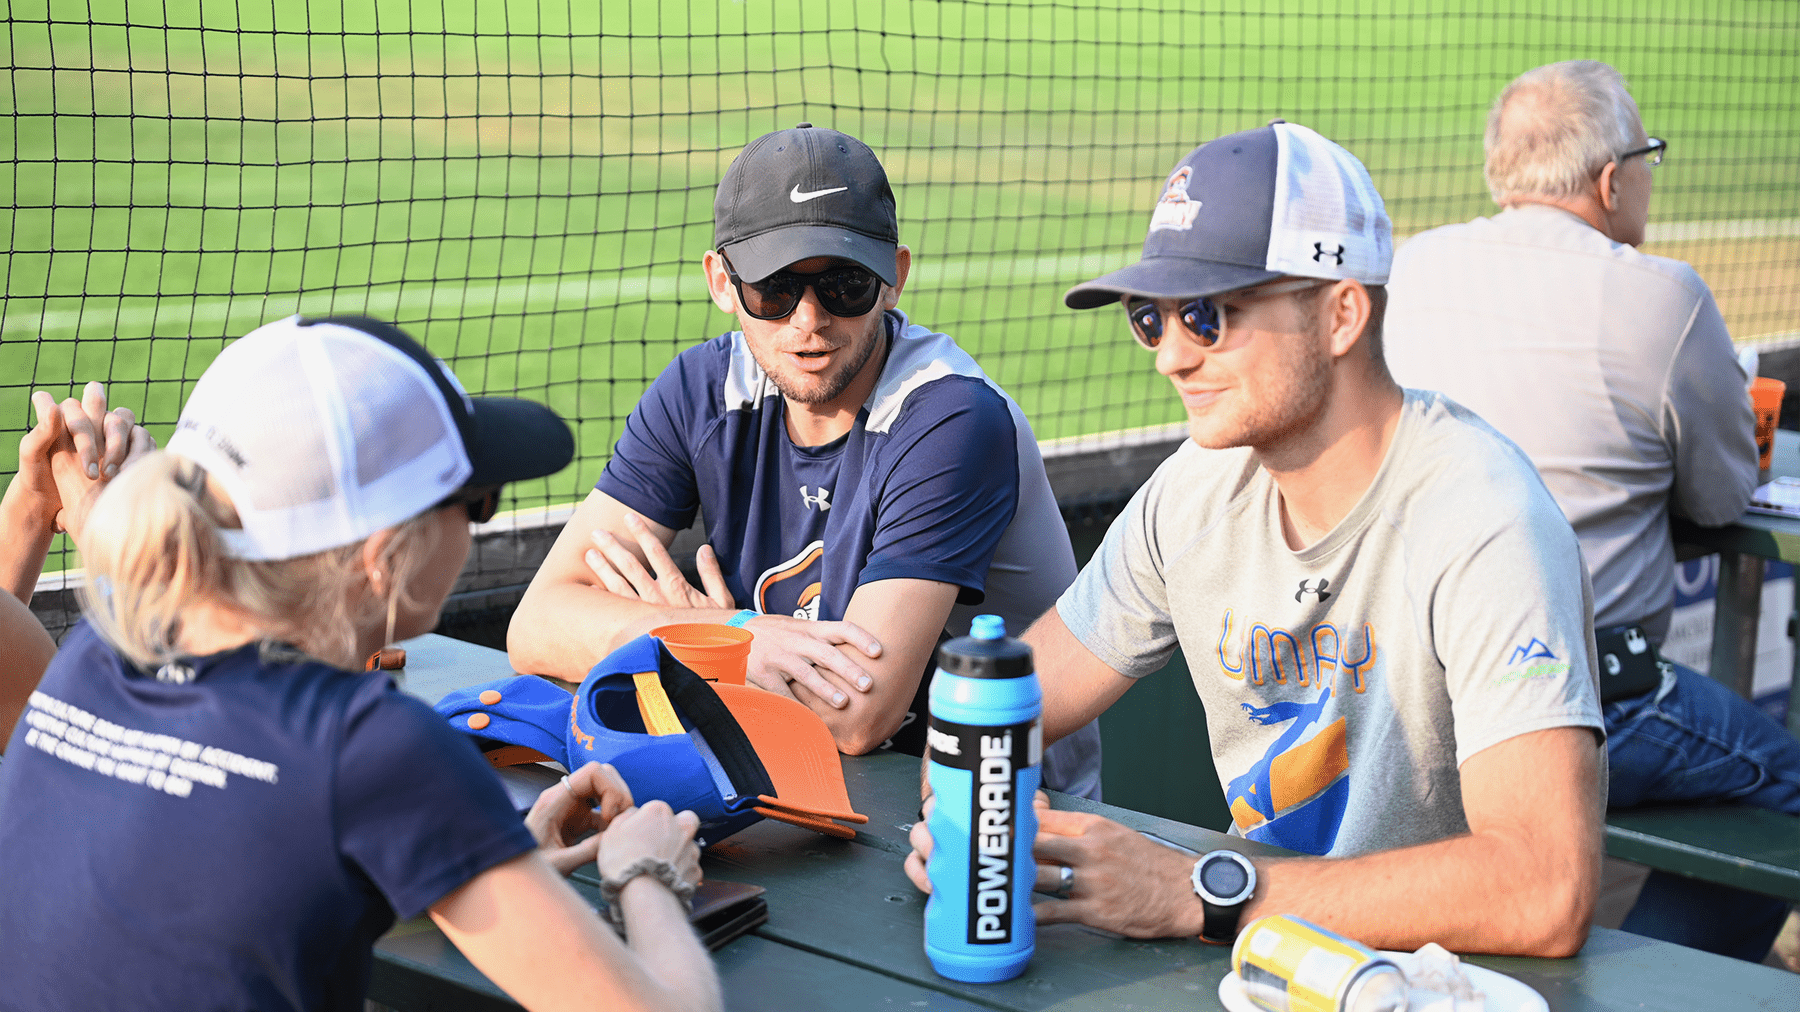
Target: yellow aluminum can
1292,965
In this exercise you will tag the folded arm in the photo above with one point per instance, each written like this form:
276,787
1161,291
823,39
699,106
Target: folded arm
906,616
609,579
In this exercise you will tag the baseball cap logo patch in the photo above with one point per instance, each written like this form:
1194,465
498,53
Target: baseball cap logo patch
800,196
1175,209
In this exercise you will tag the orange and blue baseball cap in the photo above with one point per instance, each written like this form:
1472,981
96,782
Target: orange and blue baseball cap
732,754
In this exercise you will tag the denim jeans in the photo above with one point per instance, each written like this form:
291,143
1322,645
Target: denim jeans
1701,742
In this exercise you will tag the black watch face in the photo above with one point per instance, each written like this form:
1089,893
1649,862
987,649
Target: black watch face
1224,878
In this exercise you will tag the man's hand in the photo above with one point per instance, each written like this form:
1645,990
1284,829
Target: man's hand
785,649
1124,881
565,821
620,572
820,656
920,838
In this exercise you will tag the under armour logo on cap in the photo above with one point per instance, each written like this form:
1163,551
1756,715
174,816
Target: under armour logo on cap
1320,253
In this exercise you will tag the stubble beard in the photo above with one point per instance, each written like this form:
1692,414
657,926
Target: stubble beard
828,387
1291,404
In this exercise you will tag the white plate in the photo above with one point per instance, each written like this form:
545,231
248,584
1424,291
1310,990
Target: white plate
1504,994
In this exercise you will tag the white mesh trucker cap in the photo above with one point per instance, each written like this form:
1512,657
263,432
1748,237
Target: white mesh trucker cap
1250,207
324,431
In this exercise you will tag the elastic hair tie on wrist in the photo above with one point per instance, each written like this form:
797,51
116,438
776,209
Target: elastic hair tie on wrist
737,621
656,868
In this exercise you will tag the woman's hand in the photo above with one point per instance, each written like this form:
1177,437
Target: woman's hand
656,831
567,817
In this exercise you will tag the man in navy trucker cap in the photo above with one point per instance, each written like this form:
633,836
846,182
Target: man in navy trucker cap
1384,612
866,488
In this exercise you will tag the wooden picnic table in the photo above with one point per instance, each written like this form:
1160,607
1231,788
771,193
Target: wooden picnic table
845,927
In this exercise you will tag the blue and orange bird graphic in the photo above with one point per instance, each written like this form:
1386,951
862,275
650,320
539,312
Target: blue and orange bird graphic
1295,795
793,587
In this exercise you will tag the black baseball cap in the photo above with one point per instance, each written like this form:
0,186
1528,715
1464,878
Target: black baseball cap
805,192
1250,207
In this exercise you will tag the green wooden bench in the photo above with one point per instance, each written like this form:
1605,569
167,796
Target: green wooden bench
1749,848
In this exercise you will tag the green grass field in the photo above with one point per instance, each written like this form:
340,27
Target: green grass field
528,185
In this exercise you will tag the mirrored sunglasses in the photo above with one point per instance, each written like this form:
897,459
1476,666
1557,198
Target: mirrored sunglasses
1204,317
845,292
1201,317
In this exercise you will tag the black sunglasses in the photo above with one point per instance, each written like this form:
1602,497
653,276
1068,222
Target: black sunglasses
482,501
844,292
1203,317
1652,152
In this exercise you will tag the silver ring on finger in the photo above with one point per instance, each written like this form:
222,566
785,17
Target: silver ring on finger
1065,882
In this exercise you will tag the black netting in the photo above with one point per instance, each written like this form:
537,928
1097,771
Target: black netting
528,185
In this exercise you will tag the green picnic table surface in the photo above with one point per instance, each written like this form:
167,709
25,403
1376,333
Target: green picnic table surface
845,925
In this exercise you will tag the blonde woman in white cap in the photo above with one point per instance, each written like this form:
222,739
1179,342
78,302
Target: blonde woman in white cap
206,791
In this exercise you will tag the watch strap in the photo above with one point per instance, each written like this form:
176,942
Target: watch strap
1221,924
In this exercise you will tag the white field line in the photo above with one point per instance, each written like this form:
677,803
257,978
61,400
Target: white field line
420,299
413,300
1748,228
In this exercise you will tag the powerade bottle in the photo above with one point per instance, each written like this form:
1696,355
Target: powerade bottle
987,751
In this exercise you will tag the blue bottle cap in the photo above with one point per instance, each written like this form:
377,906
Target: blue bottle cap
988,627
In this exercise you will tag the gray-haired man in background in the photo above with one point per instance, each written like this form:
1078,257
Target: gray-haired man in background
1612,369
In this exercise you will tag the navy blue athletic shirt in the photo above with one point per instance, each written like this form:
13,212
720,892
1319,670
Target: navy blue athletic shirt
924,486
239,841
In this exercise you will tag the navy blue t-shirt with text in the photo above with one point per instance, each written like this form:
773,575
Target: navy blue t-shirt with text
236,841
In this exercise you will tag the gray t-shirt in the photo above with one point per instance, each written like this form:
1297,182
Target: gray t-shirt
1610,368
1346,682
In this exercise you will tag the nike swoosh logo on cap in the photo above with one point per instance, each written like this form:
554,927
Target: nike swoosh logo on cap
800,196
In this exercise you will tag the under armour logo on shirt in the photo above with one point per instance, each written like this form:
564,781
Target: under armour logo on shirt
1320,253
1321,593
820,501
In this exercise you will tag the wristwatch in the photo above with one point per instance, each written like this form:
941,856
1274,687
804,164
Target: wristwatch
1224,881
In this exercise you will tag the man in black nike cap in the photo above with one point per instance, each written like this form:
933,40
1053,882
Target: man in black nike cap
866,488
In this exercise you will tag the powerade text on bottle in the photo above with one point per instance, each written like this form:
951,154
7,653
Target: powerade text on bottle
987,750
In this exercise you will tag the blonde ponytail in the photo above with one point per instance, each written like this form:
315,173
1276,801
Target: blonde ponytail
152,551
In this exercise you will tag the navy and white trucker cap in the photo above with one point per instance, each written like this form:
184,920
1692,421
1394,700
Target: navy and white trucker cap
1250,207
805,192
324,431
